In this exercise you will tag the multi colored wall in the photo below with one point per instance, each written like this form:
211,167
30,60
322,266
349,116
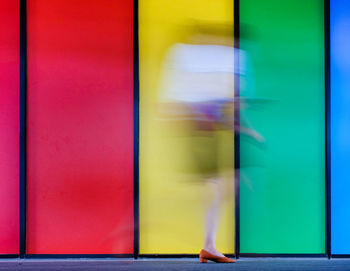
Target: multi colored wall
80,129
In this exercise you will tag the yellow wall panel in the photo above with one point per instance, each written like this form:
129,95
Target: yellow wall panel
172,199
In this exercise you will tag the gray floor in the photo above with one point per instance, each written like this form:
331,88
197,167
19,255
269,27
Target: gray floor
177,264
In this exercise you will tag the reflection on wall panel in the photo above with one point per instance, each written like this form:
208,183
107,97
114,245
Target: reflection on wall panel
9,126
80,127
340,129
173,196
282,179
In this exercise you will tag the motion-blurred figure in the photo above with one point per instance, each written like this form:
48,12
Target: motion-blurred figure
198,89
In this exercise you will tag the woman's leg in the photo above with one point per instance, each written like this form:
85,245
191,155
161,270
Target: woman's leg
213,215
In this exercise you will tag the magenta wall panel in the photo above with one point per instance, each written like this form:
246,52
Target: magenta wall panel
9,127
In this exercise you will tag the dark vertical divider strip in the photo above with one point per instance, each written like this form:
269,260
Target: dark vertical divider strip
23,125
327,125
136,130
236,138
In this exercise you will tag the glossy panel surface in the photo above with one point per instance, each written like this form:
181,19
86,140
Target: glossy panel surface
173,197
9,126
282,179
80,127
340,125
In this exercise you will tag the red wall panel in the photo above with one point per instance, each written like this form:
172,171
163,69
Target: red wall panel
9,127
80,127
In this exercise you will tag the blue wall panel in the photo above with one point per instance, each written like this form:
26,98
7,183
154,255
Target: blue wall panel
340,126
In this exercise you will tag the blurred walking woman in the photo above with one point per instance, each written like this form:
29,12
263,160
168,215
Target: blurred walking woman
198,88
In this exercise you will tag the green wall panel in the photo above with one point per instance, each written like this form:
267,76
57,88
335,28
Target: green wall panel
282,180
